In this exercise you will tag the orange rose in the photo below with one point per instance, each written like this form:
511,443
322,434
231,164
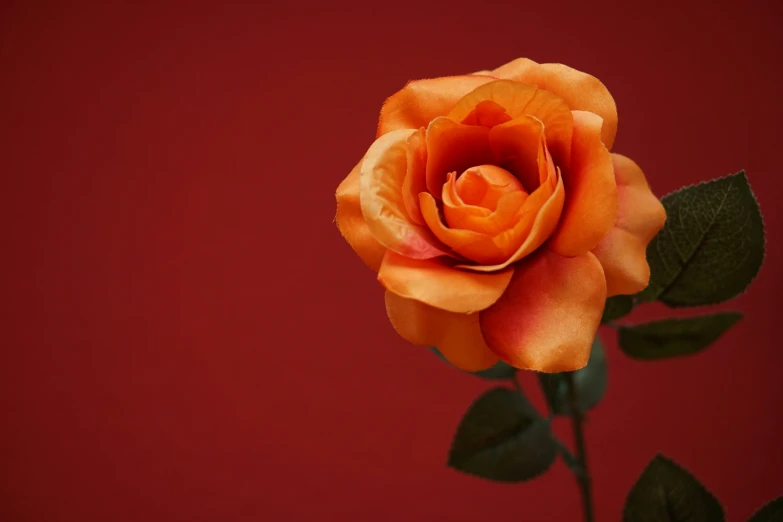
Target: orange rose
496,217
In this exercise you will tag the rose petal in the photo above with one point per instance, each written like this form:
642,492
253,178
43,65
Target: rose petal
381,198
454,147
519,99
482,73
416,176
457,336
549,315
469,192
438,284
350,221
536,219
558,124
590,209
535,227
579,90
517,145
454,207
421,101
480,219
483,185
513,96
623,252
487,114
540,215
475,246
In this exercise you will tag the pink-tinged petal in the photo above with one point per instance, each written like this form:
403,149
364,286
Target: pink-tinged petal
623,252
549,315
415,180
454,147
457,336
520,99
439,284
579,90
350,222
590,209
381,197
421,101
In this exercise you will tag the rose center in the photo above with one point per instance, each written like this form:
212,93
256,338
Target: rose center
484,185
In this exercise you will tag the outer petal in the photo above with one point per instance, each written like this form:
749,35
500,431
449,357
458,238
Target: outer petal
457,336
440,285
421,101
383,205
548,317
351,224
590,209
623,252
579,90
415,180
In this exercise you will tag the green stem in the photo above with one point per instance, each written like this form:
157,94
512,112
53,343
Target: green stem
529,409
577,420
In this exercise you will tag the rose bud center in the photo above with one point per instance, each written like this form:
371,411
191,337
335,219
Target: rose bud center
486,199
484,185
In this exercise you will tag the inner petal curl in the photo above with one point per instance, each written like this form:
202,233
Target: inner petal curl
484,185
496,211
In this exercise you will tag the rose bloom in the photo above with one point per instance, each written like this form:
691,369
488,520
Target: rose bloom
496,218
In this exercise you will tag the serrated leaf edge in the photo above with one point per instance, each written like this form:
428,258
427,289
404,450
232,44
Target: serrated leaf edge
741,174
739,317
669,460
451,462
765,506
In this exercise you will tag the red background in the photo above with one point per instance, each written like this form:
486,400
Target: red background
186,337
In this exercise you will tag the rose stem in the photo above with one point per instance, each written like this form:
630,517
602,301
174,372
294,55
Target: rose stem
577,419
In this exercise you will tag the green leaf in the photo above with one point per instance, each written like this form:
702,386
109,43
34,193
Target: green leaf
674,337
616,307
590,383
770,512
499,439
711,247
665,492
499,372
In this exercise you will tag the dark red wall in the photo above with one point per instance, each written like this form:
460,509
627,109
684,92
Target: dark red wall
185,335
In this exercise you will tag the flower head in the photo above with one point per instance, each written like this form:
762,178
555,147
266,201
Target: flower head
496,217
